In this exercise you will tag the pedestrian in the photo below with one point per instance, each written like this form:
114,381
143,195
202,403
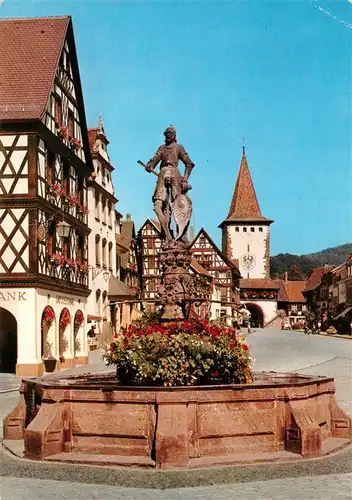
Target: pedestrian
236,327
91,332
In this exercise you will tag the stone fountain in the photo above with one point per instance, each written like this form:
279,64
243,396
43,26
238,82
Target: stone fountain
92,419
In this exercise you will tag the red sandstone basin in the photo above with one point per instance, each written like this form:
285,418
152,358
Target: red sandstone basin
92,419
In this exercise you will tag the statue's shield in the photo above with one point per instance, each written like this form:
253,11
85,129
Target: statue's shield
182,208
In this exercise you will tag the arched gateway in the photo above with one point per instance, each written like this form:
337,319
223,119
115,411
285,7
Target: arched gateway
8,341
257,315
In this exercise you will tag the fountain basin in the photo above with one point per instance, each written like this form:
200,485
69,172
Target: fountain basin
92,419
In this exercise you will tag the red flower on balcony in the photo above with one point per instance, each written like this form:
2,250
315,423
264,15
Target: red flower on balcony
72,200
57,259
65,318
79,318
83,267
75,143
56,189
70,263
48,315
83,208
62,132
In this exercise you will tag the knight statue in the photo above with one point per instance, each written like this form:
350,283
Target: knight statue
170,195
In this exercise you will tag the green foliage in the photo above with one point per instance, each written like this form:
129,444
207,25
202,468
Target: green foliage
281,263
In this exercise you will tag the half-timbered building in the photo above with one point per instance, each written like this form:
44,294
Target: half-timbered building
44,163
225,276
149,245
128,307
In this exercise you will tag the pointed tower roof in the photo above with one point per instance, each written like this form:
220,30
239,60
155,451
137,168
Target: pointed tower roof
244,205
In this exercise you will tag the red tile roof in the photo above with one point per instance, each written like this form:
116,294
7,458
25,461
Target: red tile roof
314,279
291,291
30,51
244,205
263,283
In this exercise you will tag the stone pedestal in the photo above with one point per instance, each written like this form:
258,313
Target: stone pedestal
179,288
175,262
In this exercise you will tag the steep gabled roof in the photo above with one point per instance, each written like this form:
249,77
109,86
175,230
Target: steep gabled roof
291,291
315,276
244,205
217,249
155,223
30,51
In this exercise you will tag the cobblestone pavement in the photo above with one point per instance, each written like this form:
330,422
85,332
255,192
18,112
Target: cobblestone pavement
327,478
326,487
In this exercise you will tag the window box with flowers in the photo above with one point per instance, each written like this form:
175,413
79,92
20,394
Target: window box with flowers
61,132
75,144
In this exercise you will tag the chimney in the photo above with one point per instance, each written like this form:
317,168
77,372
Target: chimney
191,233
128,217
286,276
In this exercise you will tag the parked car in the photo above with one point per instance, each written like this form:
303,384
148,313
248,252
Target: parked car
285,324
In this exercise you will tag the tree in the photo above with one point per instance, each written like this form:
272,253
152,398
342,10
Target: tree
294,273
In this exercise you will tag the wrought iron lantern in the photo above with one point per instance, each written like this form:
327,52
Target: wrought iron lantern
63,229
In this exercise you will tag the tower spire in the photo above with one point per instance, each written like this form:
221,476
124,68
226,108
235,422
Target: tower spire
244,204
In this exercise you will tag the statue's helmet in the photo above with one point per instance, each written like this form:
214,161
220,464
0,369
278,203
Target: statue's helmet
170,129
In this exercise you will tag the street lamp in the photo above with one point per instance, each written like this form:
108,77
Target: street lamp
63,229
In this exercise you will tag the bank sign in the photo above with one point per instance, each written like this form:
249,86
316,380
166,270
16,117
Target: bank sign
13,296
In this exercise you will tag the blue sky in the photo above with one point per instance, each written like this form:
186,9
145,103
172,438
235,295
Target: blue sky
277,72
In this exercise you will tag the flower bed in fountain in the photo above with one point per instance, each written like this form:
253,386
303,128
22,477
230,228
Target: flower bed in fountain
179,353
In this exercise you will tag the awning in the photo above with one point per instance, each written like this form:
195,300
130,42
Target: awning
119,290
344,312
93,317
